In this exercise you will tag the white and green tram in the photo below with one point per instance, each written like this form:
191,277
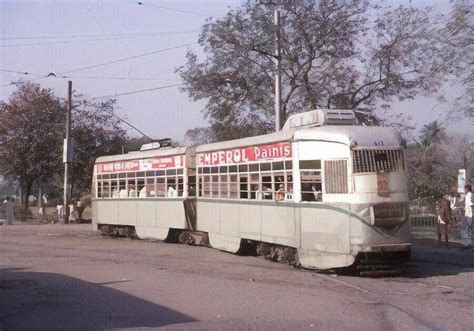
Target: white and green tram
323,190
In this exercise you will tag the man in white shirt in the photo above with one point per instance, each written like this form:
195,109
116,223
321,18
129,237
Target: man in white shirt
467,221
9,207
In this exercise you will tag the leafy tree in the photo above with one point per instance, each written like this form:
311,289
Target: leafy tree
30,136
434,160
96,133
332,56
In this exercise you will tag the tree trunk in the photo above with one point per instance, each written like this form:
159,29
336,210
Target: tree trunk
26,195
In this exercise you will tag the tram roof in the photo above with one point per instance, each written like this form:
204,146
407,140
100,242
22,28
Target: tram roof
347,134
143,154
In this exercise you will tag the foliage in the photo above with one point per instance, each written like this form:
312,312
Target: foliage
456,50
30,139
32,132
96,133
332,56
433,162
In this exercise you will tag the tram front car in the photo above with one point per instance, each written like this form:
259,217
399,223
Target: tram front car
374,201
380,230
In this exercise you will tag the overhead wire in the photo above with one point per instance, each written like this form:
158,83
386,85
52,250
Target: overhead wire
68,42
128,58
119,78
118,117
111,96
173,9
101,35
18,72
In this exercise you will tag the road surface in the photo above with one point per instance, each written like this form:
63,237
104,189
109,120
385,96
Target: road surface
60,276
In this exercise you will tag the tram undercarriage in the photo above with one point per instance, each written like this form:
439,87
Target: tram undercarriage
380,263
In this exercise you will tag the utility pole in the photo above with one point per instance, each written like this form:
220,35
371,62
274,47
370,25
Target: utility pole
276,17
67,154
277,27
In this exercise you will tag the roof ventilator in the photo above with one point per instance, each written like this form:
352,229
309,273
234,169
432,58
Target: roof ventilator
320,117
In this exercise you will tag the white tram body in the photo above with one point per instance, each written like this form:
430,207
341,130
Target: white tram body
332,192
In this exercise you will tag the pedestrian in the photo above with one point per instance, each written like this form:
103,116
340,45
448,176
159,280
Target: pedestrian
444,218
9,208
467,221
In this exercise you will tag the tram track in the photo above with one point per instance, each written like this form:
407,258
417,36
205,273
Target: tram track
381,299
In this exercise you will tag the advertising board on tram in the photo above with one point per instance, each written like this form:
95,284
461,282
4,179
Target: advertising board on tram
164,162
247,154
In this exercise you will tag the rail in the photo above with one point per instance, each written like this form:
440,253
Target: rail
423,221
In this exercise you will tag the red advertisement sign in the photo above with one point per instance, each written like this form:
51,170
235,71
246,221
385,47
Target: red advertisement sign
119,166
248,154
141,165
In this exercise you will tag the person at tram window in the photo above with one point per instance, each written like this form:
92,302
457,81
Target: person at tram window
115,193
172,193
318,195
280,193
266,193
289,194
143,192
132,193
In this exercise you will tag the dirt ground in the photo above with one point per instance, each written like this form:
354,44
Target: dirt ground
66,276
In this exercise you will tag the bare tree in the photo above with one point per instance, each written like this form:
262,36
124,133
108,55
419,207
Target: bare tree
332,56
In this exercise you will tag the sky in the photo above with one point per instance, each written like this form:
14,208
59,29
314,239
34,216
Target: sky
61,37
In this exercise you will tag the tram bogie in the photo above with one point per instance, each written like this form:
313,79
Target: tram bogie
324,195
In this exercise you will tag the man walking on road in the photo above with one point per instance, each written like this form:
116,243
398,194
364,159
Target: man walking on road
467,221
9,208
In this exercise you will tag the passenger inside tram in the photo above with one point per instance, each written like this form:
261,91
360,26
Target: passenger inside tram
172,193
132,193
280,194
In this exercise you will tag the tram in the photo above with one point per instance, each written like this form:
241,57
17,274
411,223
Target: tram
324,192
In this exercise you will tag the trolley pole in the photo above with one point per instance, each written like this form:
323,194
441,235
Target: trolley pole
276,17
67,154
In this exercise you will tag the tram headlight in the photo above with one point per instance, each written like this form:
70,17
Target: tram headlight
353,143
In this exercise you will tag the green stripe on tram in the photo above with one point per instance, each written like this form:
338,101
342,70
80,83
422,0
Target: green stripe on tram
286,204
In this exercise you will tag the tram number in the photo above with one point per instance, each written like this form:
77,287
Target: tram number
383,187
378,143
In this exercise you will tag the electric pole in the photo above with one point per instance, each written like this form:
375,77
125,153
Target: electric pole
67,154
276,17
277,27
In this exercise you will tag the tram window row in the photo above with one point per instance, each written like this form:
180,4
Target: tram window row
256,181
160,183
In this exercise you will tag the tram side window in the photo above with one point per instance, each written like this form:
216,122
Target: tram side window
150,190
207,186
141,189
233,186
244,187
258,181
267,186
192,186
255,186
214,185
131,186
224,185
161,187
311,181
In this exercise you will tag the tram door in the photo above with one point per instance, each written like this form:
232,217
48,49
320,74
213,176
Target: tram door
325,222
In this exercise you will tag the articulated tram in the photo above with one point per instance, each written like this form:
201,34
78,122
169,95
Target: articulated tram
324,192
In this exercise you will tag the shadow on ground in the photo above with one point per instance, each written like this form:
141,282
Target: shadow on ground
48,300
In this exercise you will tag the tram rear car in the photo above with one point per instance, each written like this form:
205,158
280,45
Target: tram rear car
333,194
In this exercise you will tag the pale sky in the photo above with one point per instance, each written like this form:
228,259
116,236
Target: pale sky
40,37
